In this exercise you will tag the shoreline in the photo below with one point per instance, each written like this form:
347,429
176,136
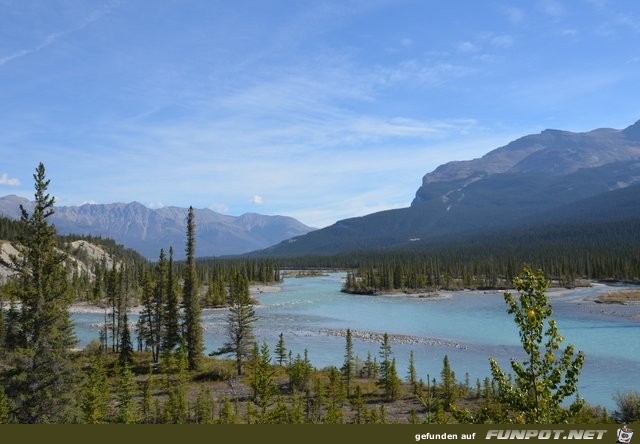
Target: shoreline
86,307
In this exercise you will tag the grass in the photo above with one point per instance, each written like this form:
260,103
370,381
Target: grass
619,297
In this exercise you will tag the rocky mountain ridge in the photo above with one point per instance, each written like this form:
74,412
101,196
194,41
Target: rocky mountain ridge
148,230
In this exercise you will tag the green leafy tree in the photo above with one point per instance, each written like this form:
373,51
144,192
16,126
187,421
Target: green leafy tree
548,376
44,372
193,334
628,404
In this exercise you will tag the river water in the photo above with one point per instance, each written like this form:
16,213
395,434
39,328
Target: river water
467,326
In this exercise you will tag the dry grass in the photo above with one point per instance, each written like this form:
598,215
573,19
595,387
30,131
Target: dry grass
619,297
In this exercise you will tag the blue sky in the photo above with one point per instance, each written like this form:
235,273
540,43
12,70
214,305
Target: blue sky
320,110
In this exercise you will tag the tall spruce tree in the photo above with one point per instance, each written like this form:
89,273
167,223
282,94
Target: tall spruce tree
191,300
281,350
348,369
44,372
388,379
171,329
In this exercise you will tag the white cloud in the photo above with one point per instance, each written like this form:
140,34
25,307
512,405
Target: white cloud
502,41
515,15
256,200
155,205
552,8
468,47
6,180
406,42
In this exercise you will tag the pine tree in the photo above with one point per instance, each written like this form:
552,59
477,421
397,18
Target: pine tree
449,386
147,395
44,373
158,305
4,407
126,347
145,322
262,382
281,350
191,299
348,367
544,380
239,323
412,374
127,411
203,409
171,328
94,394
388,379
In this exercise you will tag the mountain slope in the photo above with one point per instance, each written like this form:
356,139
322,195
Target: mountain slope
526,180
147,230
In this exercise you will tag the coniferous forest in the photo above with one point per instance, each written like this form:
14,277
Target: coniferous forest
155,371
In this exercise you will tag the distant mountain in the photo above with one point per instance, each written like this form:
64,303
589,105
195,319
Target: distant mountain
148,230
537,179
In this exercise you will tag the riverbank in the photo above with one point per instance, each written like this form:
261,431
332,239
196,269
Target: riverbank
86,307
630,297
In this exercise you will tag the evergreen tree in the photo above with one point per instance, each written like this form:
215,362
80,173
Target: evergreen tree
158,306
239,323
412,374
147,395
127,411
544,380
44,372
126,347
203,410
262,382
191,300
388,379
4,407
348,367
145,322
299,371
94,394
281,350
449,385
171,329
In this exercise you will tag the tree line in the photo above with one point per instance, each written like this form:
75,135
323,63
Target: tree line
167,378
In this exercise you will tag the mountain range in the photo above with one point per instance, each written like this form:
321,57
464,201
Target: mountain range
148,230
555,177
551,178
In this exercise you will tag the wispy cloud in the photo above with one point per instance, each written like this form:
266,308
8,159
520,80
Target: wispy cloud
55,36
9,181
502,41
552,8
514,15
